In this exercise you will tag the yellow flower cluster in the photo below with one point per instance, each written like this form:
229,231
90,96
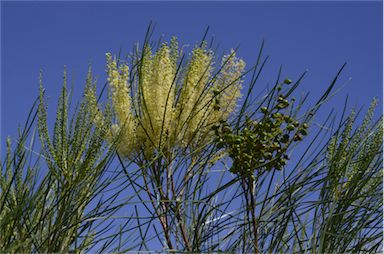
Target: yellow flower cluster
229,83
171,107
157,97
193,105
125,129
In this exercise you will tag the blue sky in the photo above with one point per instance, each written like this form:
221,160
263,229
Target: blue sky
304,35
318,37
313,36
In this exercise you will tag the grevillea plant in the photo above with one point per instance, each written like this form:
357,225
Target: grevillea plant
203,164
163,102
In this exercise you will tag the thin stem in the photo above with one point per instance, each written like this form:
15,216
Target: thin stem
163,221
180,220
253,212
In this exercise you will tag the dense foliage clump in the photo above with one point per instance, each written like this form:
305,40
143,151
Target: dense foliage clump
262,144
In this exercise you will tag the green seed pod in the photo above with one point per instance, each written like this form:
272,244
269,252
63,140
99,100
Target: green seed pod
285,138
297,137
304,132
237,141
283,104
287,119
290,127
276,115
276,145
278,123
264,110
287,81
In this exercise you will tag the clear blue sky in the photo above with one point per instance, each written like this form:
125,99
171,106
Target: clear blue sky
316,36
313,36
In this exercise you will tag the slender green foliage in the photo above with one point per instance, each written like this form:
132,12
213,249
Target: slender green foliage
170,161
